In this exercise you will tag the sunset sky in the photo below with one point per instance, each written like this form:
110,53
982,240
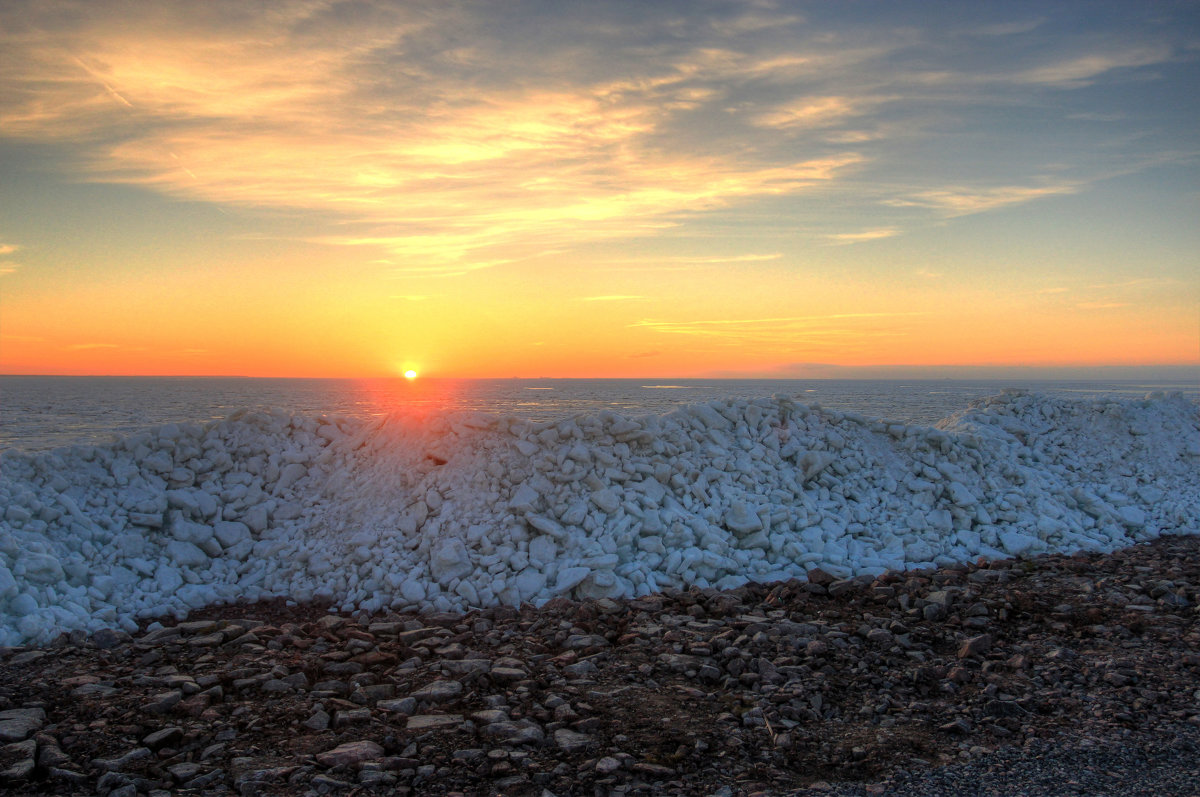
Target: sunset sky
596,188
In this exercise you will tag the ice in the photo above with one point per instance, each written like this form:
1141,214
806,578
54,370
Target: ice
457,511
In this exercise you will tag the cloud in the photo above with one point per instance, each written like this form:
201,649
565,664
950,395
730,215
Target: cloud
1008,28
684,262
964,201
450,139
1081,70
89,346
434,155
1101,305
859,237
8,267
808,112
8,249
612,298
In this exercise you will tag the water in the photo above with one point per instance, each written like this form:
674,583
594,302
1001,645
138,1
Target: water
39,412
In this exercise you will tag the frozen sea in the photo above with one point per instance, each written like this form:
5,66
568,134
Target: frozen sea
125,498
44,412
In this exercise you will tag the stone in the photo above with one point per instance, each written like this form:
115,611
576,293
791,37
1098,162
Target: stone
18,723
17,761
353,716
570,740
401,705
319,721
975,646
514,733
108,638
438,692
433,722
350,754
167,737
163,702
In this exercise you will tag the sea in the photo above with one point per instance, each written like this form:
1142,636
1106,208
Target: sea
39,413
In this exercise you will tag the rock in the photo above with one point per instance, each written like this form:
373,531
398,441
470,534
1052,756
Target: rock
319,721
353,716
17,761
514,733
350,754
438,692
505,675
18,723
570,740
120,762
975,646
163,702
433,722
167,737
108,638
185,771
402,705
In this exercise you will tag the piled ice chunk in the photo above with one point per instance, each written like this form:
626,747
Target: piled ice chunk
458,511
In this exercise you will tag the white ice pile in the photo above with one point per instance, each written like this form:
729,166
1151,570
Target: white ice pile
459,511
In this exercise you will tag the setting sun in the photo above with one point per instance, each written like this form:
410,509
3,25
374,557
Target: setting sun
410,374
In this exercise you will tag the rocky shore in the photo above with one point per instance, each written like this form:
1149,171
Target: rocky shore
1052,675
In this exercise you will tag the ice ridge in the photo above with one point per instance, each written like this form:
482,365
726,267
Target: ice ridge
457,511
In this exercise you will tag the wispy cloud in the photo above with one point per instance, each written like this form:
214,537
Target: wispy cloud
963,201
89,346
808,112
444,137
8,249
859,237
8,267
1082,70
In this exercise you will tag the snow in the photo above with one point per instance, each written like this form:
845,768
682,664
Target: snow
466,510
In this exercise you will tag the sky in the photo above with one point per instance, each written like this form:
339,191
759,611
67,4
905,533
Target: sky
598,189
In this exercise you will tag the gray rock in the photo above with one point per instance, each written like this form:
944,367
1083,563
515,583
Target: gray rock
319,721
167,737
439,691
18,760
571,741
433,722
350,754
401,705
18,723
520,732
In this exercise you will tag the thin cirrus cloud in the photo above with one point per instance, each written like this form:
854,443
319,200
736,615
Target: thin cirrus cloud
435,170
964,201
843,238
435,134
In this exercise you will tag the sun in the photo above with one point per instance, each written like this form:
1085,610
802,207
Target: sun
410,374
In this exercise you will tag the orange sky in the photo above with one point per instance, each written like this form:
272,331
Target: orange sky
565,190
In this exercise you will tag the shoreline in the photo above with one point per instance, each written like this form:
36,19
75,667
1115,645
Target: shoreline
891,684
